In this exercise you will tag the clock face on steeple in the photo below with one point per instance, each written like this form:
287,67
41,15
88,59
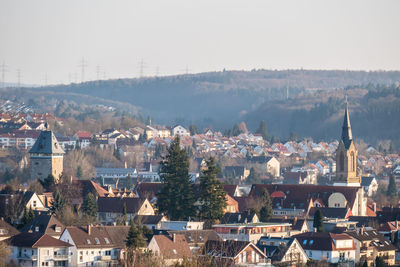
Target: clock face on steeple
346,155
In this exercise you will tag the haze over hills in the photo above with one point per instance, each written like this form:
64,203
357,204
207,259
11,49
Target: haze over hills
307,102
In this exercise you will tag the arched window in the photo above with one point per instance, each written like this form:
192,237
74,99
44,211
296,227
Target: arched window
341,161
352,162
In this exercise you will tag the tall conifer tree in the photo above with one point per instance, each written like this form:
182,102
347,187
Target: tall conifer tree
176,198
212,194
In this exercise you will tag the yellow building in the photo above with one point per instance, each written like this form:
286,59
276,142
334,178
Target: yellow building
346,157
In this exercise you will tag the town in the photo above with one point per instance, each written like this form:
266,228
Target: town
152,195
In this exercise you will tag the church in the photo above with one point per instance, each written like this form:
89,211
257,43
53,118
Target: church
346,192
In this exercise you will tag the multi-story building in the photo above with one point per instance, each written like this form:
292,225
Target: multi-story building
38,249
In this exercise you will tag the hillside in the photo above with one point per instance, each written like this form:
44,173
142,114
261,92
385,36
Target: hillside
292,100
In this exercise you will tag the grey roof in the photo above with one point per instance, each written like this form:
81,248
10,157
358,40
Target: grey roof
46,143
347,136
367,180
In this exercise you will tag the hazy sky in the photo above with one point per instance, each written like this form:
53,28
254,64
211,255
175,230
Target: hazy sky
50,36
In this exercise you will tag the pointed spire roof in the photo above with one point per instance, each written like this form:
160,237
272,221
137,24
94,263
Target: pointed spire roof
46,144
347,136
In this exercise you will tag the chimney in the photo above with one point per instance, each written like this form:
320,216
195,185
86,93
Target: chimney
397,224
362,230
315,230
89,229
173,237
374,206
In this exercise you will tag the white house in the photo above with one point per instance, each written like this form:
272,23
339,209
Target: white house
38,249
96,245
333,248
180,130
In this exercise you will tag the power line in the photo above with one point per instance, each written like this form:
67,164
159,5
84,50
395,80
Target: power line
4,69
82,65
142,65
19,77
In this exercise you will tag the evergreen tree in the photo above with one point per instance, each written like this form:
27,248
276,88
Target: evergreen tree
79,172
28,216
124,213
262,129
236,130
392,190
365,264
193,129
318,221
293,136
212,194
135,238
253,176
89,206
48,183
266,210
117,154
57,203
176,198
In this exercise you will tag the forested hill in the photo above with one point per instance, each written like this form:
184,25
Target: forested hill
220,99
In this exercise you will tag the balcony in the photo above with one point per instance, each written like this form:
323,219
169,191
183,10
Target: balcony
61,257
27,257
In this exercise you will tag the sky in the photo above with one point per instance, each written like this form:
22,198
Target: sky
46,39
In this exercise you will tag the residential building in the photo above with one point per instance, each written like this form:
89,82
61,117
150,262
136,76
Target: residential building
286,251
112,208
197,238
181,225
6,230
96,245
45,224
370,185
180,130
251,231
333,248
38,249
234,253
171,249
240,217
371,244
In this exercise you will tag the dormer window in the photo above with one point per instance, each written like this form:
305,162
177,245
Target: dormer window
97,240
88,241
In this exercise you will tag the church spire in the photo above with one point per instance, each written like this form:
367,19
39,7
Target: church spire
347,136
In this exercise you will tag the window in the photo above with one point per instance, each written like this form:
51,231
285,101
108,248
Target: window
244,256
107,241
305,242
88,241
58,229
342,256
97,240
310,253
34,203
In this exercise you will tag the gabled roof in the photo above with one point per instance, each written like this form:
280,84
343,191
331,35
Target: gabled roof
230,189
47,224
148,190
9,230
35,240
299,195
378,240
322,241
339,213
98,236
198,237
237,217
173,247
227,249
46,143
116,204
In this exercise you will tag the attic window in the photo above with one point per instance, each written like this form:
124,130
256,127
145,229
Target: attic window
88,241
311,242
374,232
366,233
37,229
174,250
107,241
305,242
97,240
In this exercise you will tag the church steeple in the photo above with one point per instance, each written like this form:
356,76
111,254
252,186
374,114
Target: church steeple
346,156
347,136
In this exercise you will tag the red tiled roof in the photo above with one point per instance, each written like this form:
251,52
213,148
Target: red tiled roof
173,247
